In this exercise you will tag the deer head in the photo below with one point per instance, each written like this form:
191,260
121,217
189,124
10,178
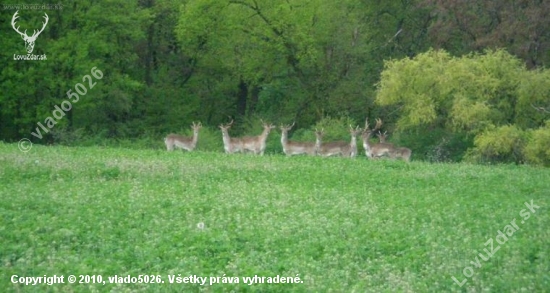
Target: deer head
382,136
267,127
226,126
354,131
368,132
287,128
196,127
29,41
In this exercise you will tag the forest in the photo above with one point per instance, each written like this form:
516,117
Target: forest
452,80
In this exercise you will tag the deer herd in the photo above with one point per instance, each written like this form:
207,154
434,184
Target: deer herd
257,144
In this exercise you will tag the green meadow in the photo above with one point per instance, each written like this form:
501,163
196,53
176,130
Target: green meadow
331,224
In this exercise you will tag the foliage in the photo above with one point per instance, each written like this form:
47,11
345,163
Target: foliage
537,149
336,128
465,26
167,63
476,95
503,144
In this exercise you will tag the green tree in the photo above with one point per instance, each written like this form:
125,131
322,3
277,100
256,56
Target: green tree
487,97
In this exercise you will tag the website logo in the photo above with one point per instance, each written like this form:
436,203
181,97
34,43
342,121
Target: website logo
29,40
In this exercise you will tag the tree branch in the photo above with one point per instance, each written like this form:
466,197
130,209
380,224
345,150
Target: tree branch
540,109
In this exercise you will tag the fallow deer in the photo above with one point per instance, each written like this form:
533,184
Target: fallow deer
186,143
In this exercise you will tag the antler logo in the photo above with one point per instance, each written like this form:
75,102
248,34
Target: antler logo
29,41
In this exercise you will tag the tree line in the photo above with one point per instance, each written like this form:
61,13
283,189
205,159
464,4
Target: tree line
453,80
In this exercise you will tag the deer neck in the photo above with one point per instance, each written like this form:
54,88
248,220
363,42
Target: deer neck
264,134
226,138
284,138
195,138
366,143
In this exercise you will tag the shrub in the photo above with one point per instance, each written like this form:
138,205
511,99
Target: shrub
335,128
537,149
210,139
502,144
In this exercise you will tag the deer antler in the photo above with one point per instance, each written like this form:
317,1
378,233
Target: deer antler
367,123
226,125
354,130
15,16
43,26
378,124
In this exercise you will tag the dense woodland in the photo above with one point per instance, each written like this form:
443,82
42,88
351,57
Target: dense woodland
452,80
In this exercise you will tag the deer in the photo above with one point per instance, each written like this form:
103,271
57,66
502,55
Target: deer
383,148
351,150
330,148
186,143
230,144
375,150
29,41
401,152
293,147
256,144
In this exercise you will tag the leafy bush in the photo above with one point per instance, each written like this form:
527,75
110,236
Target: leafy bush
433,145
210,139
502,144
66,136
302,134
537,149
335,128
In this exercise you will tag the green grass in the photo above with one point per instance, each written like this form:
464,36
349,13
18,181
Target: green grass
343,225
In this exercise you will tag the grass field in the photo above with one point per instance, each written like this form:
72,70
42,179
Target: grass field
341,225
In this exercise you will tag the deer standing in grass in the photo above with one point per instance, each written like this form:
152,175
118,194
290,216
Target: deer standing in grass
375,150
256,144
230,144
398,152
351,150
329,148
383,148
401,152
186,143
293,147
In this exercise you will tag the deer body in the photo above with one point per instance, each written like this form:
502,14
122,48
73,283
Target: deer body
401,152
256,144
375,150
230,145
383,148
351,150
330,148
295,148
186,143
